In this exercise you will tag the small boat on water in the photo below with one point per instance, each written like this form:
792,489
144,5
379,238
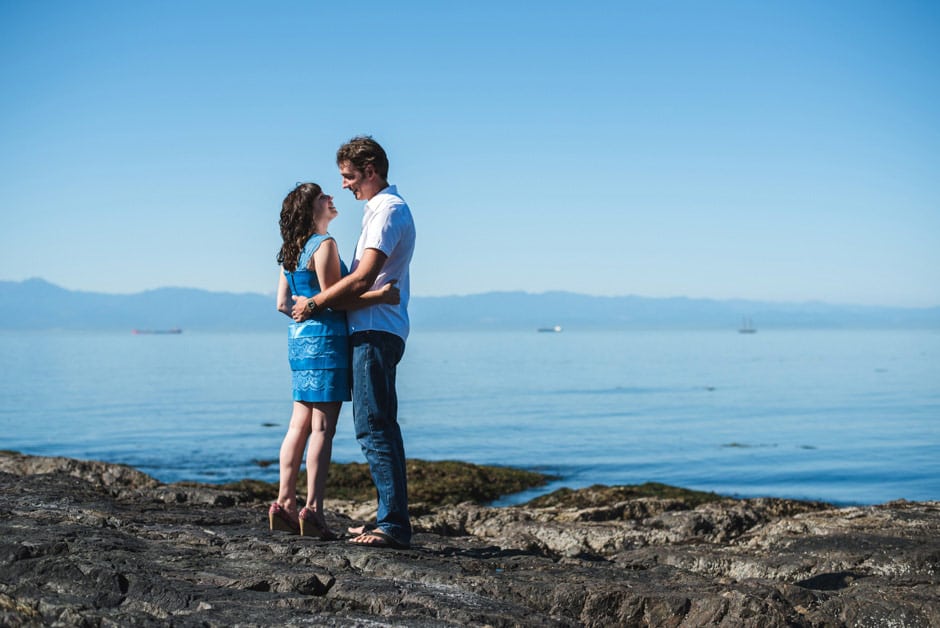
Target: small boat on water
556,329
174,330
747,327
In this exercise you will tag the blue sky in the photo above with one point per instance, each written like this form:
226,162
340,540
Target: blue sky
783,151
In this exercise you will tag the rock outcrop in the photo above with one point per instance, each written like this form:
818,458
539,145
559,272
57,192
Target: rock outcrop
93,544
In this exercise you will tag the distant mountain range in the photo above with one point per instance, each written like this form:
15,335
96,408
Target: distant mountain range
38,304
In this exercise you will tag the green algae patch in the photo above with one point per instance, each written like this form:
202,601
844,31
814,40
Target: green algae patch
251,490
437,482
602,495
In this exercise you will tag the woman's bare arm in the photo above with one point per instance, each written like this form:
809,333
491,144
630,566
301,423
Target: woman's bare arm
284,302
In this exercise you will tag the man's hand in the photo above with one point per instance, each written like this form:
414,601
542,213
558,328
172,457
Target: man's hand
299,311
390,294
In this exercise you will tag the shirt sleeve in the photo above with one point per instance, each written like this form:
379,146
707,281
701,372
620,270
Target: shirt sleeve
383,232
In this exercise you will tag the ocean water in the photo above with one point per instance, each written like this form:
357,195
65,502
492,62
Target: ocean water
850,417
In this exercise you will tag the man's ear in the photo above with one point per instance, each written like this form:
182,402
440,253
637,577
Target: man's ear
368,171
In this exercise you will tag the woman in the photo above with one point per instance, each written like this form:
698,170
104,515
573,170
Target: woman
318,351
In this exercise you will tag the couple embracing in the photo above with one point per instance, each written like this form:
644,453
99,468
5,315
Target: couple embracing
346,340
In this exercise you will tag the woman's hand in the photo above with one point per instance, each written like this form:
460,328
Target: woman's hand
389,293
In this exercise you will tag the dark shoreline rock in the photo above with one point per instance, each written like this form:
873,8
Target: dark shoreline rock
92,544
429,482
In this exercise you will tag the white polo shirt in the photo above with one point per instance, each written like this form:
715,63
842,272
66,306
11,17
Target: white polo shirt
387,225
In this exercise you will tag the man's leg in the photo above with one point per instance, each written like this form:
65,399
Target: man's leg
375,357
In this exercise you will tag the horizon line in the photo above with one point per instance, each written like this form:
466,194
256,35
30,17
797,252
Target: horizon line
805,302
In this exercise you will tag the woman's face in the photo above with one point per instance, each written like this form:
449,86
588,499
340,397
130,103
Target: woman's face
323,209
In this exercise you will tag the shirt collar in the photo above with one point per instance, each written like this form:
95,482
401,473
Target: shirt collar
373,202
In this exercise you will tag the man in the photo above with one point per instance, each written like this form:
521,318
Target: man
377,333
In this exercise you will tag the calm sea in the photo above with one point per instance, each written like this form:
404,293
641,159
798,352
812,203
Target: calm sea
841,416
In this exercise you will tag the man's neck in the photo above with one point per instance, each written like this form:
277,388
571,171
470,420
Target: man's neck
381,185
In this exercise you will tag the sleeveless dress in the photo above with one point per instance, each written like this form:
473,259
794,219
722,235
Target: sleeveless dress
317,348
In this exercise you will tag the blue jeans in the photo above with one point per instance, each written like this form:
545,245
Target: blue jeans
375,356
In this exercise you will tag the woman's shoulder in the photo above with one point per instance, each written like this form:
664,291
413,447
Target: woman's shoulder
314,241
315,244
323,241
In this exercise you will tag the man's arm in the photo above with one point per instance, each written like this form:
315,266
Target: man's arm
347,289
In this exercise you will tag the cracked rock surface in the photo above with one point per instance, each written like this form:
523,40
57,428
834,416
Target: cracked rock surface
93,544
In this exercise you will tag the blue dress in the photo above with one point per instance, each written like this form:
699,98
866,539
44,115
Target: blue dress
317,348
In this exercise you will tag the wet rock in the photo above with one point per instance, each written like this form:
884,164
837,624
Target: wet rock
85,543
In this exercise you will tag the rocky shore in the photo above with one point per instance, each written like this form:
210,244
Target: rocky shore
93,544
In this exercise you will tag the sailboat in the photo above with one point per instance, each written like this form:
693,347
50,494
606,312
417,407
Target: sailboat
747,327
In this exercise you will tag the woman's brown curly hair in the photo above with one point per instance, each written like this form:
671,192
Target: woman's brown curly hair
297,223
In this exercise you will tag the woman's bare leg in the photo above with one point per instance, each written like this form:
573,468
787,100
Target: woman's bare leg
322,429
292,453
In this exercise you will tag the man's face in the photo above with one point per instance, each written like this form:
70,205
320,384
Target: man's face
352,179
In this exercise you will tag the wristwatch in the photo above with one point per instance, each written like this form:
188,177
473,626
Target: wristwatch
312,307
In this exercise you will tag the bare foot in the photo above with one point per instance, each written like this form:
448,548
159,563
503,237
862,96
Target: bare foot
360,530
377,538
